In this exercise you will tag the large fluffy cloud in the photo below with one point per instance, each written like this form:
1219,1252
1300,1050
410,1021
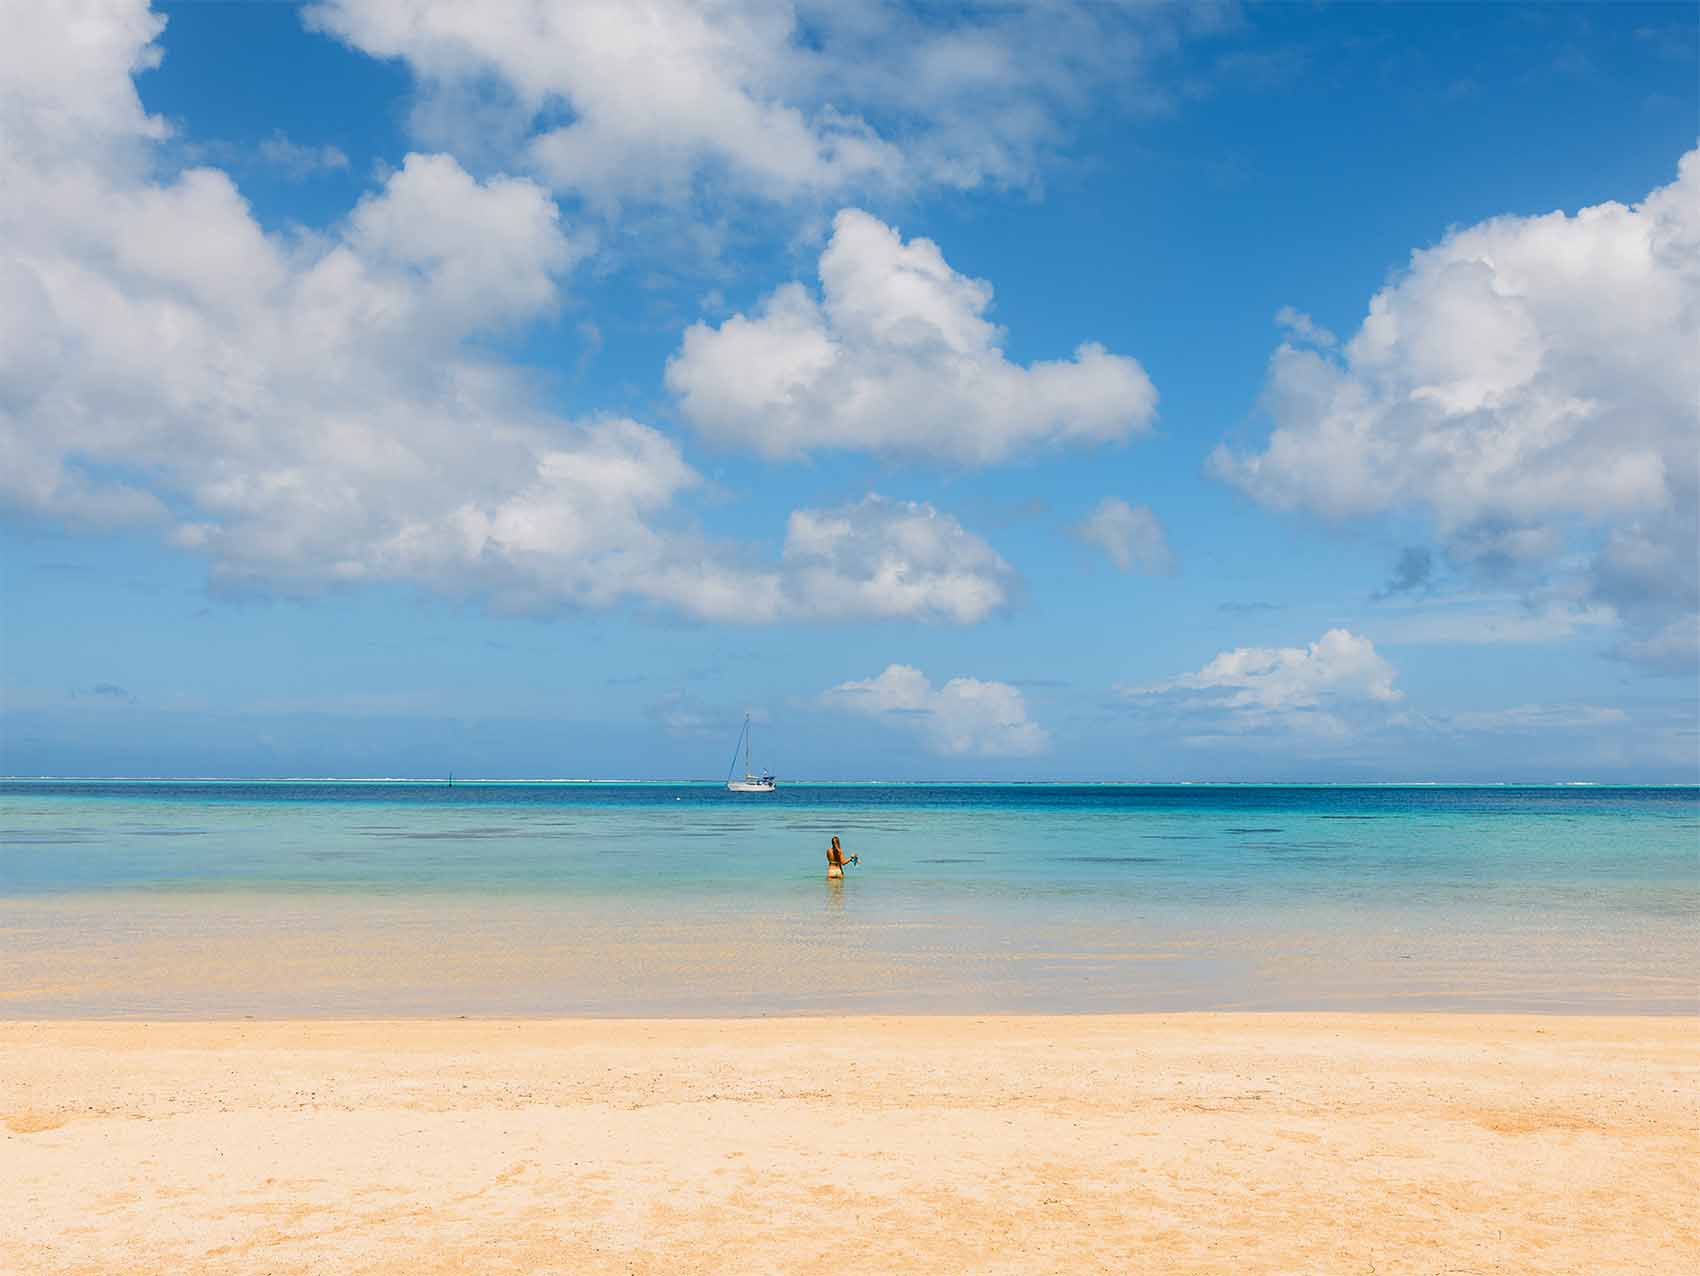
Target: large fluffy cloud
613,99
965,717
1315,689
896,355
1530,384
318,408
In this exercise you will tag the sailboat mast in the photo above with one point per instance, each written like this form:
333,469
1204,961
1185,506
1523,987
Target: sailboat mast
747,771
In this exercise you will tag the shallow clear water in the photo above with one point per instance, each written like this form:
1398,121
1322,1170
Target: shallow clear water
365,898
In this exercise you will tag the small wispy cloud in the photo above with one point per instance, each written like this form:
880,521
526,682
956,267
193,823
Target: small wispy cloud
1490,620
1412,574
109,692
678,713
1673,649
298,162
1538,717
1131,535
1301,327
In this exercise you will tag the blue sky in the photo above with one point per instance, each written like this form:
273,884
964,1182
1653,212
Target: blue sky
1287,392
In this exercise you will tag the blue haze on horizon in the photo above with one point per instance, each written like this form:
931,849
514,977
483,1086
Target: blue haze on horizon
391,398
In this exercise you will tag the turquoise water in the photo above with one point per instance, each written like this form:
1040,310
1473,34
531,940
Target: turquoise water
186,898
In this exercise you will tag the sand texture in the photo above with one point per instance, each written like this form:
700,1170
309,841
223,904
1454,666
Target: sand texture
1190,1143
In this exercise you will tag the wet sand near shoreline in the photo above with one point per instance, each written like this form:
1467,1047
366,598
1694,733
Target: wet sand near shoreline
1174,1143
193,956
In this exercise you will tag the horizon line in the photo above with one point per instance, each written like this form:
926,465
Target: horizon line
448,781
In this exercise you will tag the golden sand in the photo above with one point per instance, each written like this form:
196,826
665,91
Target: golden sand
1188,1143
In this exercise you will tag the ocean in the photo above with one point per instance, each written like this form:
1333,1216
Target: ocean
223,899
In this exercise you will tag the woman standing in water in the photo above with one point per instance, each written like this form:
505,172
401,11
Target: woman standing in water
835,860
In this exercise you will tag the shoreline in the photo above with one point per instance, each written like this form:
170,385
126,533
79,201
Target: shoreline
355,1031
136,956
358,1019
1188,1142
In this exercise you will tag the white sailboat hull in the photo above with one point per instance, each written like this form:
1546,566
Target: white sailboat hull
754,781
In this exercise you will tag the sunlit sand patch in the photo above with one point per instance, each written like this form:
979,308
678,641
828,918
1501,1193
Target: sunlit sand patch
1203,1143
34,1122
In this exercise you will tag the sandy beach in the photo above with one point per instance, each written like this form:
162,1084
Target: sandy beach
1187,1143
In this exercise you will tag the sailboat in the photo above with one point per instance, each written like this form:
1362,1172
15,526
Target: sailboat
751,783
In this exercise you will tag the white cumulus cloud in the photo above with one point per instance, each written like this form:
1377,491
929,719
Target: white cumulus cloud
894,560
965,717
873,559
317,409
1312,689
1530,384
896,355
1132,536
622,99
